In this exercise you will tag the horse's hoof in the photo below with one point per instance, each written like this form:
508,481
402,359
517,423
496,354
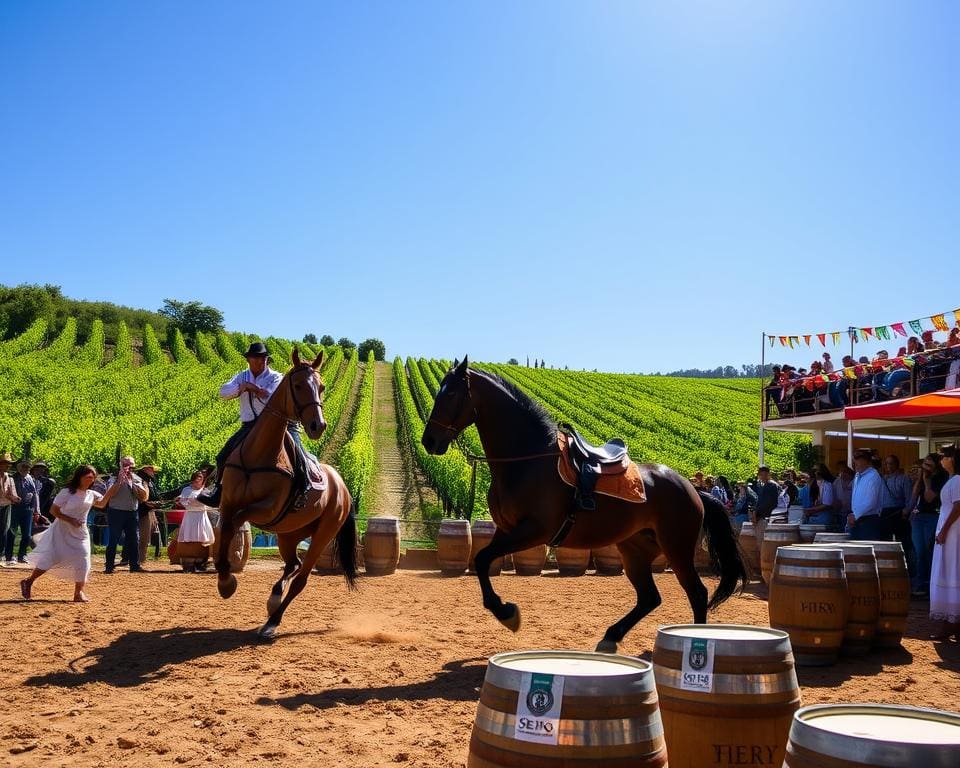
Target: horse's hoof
227,586
267,632
273,602
512,622
607,646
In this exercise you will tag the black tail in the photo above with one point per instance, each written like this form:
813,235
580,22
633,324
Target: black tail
346,547
724,549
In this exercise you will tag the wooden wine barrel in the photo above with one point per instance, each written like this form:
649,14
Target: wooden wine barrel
863,589
872,736
481,533
172,549
328,563
530,562
381,546
809,531
894,593
602,711
751,549
775,536
608,560
809,601
453,547
572,562
831,538
726,691
192,554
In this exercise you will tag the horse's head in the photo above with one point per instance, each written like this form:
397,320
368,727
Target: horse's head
453,410
306,394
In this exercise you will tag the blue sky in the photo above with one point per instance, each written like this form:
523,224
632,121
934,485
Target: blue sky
490,177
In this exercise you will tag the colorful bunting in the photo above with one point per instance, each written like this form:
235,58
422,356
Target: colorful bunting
940,323
865,333
772,339
836,337
956,315
898,329
783,341
806,338
882,332
916,327
823,339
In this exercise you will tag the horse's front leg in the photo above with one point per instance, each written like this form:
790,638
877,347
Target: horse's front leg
226,581
524,536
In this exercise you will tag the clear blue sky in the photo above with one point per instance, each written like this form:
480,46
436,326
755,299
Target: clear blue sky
489,177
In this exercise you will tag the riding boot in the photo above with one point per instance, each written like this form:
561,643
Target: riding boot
212,499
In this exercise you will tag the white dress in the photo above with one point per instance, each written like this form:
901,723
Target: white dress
945,572
64,549
196,524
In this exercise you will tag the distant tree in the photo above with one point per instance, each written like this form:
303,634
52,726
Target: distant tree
20,306
192,316
310,338
528,361
512,361
327,340
374,345
346,344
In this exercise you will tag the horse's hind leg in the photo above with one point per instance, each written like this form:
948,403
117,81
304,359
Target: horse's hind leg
637,557
287,544
301,572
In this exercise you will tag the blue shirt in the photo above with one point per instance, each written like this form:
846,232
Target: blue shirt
867,493
897,490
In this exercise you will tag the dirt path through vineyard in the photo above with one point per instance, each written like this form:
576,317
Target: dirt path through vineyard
159,671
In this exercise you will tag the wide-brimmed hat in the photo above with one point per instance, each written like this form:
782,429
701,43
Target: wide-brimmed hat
6,458
257,349
41,463
23,462
150,465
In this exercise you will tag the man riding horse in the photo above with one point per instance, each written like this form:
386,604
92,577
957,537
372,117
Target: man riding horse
254,387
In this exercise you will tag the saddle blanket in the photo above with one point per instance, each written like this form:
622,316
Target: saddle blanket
318,480
626,485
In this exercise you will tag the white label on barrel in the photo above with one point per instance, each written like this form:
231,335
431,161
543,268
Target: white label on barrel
538,708
697,665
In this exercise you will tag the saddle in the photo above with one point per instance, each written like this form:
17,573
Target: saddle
302,466
591,469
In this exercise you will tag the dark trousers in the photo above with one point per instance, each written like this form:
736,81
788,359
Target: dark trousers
867,529
23,519
897,528
126,522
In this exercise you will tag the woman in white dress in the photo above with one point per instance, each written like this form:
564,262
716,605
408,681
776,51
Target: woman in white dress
945,571
64,549
196,526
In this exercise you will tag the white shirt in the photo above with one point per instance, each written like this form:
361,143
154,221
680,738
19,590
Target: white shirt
867,493
251,405
827,366
188,497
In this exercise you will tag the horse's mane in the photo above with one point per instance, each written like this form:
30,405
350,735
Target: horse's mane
527,404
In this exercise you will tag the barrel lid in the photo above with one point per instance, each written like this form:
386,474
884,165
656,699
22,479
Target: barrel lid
584,672
731,639
885,546
811,552
382,522
847,547
454,522
818,527
828,536
879,734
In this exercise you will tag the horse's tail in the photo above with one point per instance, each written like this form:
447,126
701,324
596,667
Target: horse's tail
724,549
346,547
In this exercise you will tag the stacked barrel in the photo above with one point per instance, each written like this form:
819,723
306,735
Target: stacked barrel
839,598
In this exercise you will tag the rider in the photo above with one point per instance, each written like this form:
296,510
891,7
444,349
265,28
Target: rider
254,387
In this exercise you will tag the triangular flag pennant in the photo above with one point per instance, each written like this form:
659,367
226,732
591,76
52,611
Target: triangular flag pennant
916,326
853,335
836,337
940,323
823,339
882,332
783,341
863,334
898,329
772,340
806,338
850,373
908,361
794,340
956,315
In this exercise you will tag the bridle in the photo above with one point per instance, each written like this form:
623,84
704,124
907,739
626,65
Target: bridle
298,407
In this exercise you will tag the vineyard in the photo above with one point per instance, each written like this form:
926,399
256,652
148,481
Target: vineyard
78,403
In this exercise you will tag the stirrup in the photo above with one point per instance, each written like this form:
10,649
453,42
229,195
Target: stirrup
301,501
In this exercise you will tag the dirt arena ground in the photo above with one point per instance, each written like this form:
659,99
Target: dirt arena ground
158,670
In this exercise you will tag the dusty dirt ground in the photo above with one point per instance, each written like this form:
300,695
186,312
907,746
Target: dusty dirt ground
158,670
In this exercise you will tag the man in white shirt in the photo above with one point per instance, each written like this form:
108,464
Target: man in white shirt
254,386
864,522
827,363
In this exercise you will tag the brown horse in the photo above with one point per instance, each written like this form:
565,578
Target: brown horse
529,502
258,484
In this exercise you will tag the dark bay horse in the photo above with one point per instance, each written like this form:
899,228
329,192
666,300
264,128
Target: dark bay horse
258,482
529,502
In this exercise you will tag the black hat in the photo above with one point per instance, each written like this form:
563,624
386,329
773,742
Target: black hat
257,349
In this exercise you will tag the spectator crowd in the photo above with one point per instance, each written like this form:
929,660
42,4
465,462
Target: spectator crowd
923,365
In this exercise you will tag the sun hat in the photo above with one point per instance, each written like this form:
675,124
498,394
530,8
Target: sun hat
257,349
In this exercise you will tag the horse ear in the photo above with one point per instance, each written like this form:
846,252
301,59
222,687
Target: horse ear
318,361
295,356
456,364
462,368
